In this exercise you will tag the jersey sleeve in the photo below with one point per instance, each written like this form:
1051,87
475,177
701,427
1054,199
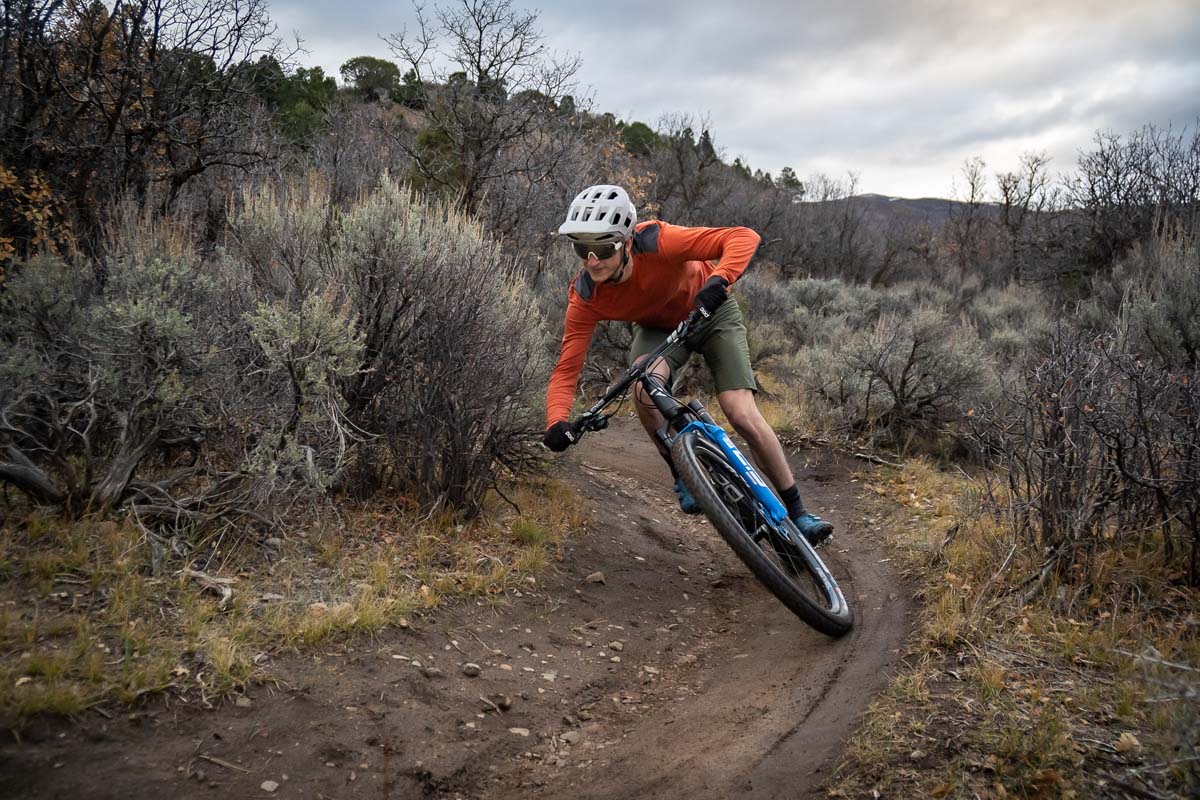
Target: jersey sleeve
577,337
732,248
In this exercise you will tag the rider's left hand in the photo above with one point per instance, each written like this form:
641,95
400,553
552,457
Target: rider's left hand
559,437
710,298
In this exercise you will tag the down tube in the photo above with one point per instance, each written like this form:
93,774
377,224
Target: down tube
775,510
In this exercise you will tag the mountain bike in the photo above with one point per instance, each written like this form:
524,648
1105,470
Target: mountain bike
734,497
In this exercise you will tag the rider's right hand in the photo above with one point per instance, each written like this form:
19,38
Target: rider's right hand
559,436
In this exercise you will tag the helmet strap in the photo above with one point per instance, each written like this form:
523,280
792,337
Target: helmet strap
619,275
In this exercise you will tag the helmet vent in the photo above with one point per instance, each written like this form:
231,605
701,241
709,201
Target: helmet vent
600,213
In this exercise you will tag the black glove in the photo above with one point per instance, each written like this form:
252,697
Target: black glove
559,437
710,298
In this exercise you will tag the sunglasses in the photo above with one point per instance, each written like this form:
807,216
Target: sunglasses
597,251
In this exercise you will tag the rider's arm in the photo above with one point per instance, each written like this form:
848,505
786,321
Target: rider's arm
731,247
577,336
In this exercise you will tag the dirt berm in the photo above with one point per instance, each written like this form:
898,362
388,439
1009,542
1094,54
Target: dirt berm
675,676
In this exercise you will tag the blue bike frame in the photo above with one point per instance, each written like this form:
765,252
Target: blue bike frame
715,433
594,420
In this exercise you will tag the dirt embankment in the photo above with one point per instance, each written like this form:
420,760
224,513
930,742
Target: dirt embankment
673,675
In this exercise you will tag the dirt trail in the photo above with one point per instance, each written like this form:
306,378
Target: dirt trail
712,689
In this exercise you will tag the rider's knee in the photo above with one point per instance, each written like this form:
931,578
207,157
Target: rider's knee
744,420
642,401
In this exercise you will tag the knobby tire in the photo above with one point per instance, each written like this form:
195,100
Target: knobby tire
702,465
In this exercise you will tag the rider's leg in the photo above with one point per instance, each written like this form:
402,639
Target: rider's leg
645,341
647,412
742,412
652,421
728,356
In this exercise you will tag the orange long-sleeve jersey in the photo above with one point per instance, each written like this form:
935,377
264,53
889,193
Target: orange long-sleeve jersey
670,265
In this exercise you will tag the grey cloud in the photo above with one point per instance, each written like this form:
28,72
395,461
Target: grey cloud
920,81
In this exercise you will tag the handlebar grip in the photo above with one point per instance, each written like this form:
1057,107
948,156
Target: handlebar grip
593,422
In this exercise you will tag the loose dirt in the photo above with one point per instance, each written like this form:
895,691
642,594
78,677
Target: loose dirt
670,674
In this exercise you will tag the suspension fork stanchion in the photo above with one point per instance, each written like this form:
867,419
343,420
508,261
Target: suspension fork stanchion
670,408
667,405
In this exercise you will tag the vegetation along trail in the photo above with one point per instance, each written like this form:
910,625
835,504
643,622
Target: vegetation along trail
649,663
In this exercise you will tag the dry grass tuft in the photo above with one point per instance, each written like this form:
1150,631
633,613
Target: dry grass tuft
1089,690
85,619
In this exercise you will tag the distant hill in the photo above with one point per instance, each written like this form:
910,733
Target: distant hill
881,209
933,210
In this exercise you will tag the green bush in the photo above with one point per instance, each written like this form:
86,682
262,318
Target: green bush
1008,321
449,375
96,375
910,374
392,337
1162,314
124,386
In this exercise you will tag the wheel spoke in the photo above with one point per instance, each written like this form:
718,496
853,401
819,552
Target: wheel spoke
772,542
786,564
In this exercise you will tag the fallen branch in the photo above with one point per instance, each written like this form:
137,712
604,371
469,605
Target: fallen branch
220,762
1133,790
1155,659
220,586
874,459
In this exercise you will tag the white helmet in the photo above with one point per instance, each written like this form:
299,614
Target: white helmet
601,213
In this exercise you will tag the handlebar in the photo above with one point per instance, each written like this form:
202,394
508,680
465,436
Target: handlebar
593,419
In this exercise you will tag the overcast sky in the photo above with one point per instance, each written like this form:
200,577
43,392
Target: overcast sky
900,92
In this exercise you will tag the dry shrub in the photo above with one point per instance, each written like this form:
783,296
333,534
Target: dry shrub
445,389
1099,437
393,336
903,376
1102,450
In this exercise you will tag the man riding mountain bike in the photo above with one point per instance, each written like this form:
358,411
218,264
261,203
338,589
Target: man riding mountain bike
653,274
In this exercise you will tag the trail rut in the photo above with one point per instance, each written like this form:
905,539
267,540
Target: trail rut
712,690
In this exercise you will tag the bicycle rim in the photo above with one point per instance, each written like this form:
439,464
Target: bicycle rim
777,554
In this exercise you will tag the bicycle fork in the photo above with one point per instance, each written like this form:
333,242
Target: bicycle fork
674,412
677,420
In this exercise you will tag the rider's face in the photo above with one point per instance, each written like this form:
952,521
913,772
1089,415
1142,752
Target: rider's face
602,269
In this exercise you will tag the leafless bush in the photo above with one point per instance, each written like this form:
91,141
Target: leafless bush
921,371
491,114
94,100
1101,449
1134,188
354,150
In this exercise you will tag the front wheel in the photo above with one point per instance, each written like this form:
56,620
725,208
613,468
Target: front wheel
778,555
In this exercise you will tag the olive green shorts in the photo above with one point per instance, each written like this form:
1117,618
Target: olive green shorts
722,342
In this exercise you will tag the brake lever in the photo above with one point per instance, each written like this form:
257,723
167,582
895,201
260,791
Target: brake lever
594,422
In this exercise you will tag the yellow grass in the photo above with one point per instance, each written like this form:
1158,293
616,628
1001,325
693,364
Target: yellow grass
83,620
1035,696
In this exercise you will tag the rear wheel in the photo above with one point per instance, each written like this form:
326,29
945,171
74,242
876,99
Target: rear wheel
778,555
